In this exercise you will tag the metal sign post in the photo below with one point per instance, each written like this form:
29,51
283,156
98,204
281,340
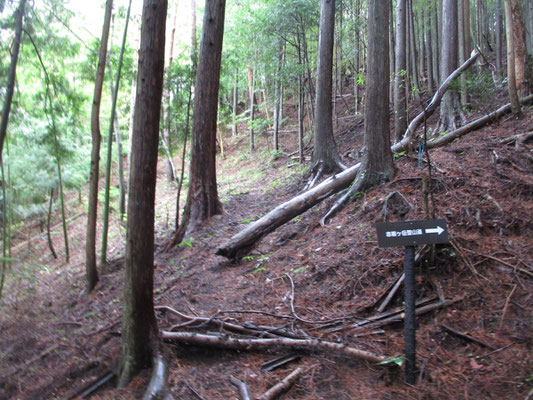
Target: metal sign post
409,234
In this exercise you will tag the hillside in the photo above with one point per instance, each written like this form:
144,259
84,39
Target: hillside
55,340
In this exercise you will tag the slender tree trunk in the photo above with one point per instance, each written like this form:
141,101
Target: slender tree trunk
167,142
8,99
277,98
392,54
235,100
466,28
511,77
400,103
429,51
90,245
139,325
415,79
436,43
529,27
251,97
357,56
103,254
325,154
499,44
462,57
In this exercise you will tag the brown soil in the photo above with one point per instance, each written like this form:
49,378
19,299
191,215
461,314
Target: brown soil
55,340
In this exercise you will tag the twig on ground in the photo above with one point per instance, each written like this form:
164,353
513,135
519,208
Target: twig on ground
513,267
193,390
26,364
465,336
507,304
283,385
243,389
459,251
495,351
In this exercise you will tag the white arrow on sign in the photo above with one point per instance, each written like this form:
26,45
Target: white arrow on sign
438,230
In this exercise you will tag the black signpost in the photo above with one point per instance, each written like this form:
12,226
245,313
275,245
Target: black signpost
409,234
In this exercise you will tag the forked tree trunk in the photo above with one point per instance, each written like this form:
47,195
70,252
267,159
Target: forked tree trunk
139,325
90,244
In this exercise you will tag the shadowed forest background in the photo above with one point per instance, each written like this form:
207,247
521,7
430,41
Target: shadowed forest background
189,192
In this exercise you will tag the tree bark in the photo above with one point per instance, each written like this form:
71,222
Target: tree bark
139,325
235,99
90,244
448,113
499,45
400,102
522,69
8,99
202,199
325,152
511,72
251,97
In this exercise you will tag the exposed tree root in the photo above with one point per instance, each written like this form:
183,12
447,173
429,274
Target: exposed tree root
157,388
228,342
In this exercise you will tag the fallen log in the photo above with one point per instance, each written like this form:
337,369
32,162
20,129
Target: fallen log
283,213
228,342
478,123
243,389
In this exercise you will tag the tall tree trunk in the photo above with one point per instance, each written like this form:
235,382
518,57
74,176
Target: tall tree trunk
415,77
462,56
8,99
167,142
90,244
392,54
400,103
251,97
436,42
499,44
325,154
235,100
429,51
466,28
139,325
357,56
511,74
523,82
529,27
377,165
103,254
449,62
277,98
202,199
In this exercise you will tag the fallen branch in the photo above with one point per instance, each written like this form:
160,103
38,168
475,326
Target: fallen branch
260,331
400,316
243,389
464,336
282,386
228,342
433,105
285,212
391,293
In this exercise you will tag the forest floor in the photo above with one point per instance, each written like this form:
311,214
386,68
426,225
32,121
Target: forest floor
55,340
